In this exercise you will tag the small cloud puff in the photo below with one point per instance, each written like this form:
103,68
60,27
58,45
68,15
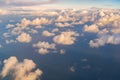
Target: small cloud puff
24,38
63,24
44,47
47,33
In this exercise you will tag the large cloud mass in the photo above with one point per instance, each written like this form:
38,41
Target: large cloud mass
25,70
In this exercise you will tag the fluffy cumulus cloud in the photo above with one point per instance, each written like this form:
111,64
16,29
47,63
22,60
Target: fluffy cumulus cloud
105,39
44,47
38,21
25,70
92,28
28,25
66,38
24,38
47,33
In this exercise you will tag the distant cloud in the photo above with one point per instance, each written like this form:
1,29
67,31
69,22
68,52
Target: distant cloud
24,3
105,39
24,38
72,69
66,38
44,47
3,12
47,33
0,46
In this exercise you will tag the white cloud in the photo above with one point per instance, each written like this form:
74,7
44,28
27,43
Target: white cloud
101,13
10,26
24,38
43,51
64,18
108,19
44,47
1,46
62,51
40,21
66,38
24,23
103,31
105,39
92,28
35,22
63,24
6,35
10,41
25,70
55,30
33,31
72,69
47,33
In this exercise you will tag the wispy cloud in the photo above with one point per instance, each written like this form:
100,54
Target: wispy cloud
25,3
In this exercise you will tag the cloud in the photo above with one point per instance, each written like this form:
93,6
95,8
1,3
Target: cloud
25,3
62,51
55,30
63,24
47,33
72,69
40,21
92,28
35,22
10,41
66,38
64,18
101,13
10,26
29,25
105,39
108,18
44,47
3,12
101,22
25,70
1,46
24,38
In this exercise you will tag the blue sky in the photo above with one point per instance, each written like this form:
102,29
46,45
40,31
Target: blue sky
91,3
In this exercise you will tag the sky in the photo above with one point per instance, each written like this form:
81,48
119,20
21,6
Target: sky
59,44
61,3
